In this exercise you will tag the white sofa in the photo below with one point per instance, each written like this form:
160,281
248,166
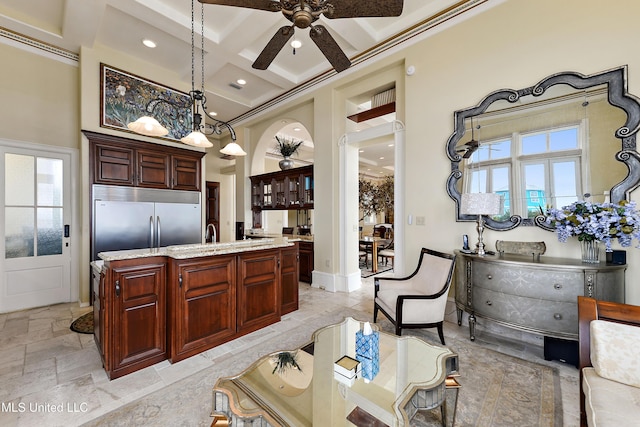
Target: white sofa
609,335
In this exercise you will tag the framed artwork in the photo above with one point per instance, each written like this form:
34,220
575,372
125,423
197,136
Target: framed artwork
126,97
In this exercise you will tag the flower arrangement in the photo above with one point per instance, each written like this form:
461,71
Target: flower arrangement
597,221
287,147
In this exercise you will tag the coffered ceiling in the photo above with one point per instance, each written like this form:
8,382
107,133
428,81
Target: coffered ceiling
233,38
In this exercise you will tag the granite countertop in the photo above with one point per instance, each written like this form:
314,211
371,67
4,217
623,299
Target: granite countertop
290,237
198,250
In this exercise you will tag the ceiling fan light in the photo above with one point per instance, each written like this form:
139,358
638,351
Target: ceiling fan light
149,126
233,149
296,44
197,139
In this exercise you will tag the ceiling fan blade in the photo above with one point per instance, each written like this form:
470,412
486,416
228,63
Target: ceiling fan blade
365,9
329,48
270,5
272,48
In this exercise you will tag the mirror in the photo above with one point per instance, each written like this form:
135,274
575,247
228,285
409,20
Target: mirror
564,139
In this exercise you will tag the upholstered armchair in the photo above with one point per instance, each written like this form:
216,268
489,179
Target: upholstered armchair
418,300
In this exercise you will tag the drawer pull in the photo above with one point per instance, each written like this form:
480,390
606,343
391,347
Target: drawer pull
557,316
488,302
557,286
489,276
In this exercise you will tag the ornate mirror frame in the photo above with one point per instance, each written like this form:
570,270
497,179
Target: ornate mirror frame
616,81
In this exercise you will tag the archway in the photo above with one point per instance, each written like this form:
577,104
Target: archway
265,159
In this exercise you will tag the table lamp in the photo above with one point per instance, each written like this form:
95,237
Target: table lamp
480,204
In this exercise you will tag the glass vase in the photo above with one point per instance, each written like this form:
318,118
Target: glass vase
590,251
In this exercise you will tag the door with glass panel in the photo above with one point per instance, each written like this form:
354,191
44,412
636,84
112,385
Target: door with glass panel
36,257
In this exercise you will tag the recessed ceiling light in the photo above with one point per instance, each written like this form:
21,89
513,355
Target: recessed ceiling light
390,145
361,151
296,44
213,113
241,81
381,158
296,129
149,43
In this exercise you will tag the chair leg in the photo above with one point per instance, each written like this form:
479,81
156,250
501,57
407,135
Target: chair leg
398,330
441,333
375,313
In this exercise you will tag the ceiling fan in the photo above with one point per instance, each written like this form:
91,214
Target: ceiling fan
305,12
469,147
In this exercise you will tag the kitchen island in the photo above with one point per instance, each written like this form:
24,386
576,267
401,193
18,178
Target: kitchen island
174,302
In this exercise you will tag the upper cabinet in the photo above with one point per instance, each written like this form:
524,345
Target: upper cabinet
123,161
287,189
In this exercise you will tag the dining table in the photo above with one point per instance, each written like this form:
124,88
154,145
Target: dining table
374,243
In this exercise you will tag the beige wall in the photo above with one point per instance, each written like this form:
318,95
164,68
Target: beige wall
40,99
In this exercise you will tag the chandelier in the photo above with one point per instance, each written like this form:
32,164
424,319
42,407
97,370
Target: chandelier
149,126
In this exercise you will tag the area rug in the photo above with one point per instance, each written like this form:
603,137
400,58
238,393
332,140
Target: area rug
83,324
497,389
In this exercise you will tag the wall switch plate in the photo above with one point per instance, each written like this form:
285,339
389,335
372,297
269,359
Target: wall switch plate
419,220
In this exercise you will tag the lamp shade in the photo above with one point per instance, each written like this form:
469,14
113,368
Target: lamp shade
233,149
149,126
480,204
197,139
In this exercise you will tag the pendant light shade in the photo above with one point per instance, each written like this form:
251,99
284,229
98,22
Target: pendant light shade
149,126
197,139
233,149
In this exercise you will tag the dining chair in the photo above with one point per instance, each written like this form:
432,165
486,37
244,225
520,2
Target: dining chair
417,300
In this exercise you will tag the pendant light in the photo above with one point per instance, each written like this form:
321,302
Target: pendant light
149,126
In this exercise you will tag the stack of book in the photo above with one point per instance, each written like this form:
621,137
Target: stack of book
346,370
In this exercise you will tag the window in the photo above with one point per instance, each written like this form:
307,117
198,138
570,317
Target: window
33,206
543,170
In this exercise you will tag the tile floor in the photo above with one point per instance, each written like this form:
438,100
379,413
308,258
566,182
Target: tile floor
52,376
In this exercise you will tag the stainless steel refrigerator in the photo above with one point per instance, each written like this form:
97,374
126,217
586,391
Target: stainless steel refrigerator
137,218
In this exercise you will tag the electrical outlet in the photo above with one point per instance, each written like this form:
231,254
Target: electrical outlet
419,220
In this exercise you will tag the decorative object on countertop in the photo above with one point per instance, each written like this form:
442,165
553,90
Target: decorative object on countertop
368,351
596,222
287,147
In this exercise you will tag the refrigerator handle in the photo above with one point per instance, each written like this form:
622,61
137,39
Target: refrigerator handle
151,231
158,231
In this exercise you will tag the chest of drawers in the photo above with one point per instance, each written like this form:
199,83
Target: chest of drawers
537,295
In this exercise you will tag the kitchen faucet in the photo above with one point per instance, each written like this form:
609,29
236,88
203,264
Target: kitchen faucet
207,235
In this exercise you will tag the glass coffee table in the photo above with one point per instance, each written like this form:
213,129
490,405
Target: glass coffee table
412,377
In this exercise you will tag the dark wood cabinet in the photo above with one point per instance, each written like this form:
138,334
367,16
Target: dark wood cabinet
289,272
122,161
149,309
153,169
136,323
202,304
282,190
113,165
306,261
258,289
186,173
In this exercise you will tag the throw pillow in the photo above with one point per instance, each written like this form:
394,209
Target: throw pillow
614,351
